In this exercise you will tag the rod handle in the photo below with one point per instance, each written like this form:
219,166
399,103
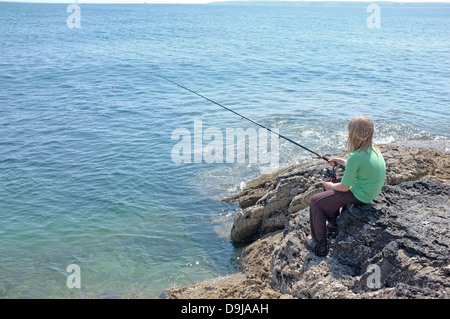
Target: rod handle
336,164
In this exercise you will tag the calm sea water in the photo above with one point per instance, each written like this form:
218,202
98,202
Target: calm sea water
86,169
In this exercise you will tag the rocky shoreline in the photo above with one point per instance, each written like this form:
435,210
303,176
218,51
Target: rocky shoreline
396,247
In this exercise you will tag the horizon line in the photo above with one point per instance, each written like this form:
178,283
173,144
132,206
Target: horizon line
212,1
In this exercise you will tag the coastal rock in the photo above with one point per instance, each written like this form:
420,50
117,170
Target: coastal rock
267,201
237,286
288,192
396,247
413,163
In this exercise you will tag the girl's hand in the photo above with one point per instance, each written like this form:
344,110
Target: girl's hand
327,185
339,161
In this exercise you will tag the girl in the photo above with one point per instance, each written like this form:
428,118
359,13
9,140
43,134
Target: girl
364,176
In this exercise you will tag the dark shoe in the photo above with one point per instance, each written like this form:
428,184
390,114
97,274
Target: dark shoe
332,231
320,250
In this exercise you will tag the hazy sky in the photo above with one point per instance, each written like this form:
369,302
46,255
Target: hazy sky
200,1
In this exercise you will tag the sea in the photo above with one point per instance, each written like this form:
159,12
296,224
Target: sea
118,139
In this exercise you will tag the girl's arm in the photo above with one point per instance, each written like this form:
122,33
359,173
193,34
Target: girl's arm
336,186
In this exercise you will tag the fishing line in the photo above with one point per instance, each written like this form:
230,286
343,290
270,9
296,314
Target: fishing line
243,117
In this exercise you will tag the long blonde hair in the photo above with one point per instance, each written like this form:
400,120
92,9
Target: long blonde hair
360,134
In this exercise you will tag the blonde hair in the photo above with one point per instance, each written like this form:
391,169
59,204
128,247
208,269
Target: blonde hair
360,134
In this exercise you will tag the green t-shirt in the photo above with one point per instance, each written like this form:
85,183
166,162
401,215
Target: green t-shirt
365,173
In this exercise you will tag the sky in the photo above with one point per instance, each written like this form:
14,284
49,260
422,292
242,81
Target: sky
202,1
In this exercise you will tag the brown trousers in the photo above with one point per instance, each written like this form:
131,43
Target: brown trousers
324,207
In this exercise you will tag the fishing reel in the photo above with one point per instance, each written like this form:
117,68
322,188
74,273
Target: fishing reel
329,174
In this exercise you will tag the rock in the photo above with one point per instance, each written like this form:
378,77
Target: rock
396,247
413,163
237,286
289,191
404,237
268,200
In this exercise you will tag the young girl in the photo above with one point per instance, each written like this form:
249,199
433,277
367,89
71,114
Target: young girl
364,176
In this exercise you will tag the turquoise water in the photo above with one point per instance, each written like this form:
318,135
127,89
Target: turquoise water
86,170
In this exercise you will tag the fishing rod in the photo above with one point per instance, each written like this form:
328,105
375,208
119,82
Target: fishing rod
244,117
